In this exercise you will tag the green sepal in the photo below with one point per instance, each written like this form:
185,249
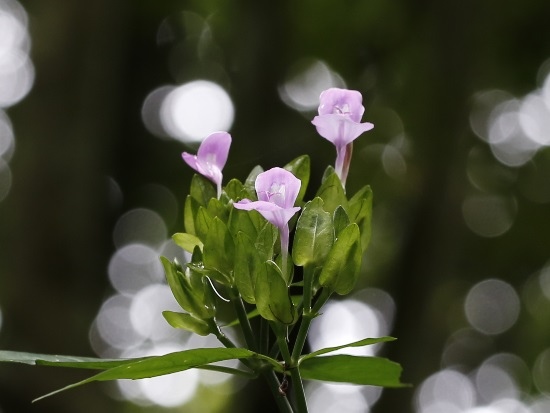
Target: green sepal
202,190
187,322
219,248
341,220
248,266
332,193
341,268
300,168
187,241
314,235
272,296
360,212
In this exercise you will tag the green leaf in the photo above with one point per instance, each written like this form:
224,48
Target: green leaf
361,213
181,288
360,343
248,266
341,220
62,361
250,183
265,241
203,221
357,208
216,208
170,363
219,248
332,193
190,211
249,222
234,189
272,296
371,371
326,173
202,190
187,241
314,235
300,168
341,268
187,322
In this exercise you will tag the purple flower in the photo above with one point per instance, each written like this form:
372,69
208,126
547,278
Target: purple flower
211,157
339,121
277,191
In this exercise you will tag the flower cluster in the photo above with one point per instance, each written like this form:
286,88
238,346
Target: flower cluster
231,233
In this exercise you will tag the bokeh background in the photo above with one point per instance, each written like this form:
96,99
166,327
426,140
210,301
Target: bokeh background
98,100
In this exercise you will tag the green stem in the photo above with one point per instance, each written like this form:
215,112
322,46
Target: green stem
243,320
296,379
298,388
275,387
222,338
307,318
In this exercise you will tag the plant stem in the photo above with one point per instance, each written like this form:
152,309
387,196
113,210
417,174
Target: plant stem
275,387
307,318
298,388
296,379
243,320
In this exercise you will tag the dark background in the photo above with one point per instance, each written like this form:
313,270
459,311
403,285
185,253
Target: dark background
424,61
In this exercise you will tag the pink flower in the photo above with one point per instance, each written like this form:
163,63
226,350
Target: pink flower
339,118
277,191
211,157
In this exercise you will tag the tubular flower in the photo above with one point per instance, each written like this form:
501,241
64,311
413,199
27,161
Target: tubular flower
339,121
277,191
211,157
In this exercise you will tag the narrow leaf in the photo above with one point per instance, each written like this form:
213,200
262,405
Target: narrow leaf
372,371
170,363
62,361
360,343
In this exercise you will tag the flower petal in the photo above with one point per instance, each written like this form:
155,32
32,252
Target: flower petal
342,102
215,149
278,186
190,160
273,213
338,129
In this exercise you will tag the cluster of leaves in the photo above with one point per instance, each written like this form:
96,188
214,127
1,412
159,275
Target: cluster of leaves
236,253
239,249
